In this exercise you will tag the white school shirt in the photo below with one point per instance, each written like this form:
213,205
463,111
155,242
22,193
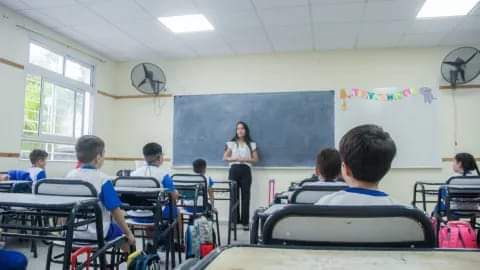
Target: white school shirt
162,175
241,150
108,198
357,196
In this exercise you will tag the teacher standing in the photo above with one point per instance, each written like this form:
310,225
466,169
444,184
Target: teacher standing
241,153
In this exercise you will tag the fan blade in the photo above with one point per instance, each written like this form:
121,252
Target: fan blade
142,82
152,84
471,57
145,70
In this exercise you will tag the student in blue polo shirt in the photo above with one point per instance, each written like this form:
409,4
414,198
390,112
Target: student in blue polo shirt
38,158
90,152
200,167
367,153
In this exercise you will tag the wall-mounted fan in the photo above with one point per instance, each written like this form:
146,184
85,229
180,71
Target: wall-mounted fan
461,65
148,78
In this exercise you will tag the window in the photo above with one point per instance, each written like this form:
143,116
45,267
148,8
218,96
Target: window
57,105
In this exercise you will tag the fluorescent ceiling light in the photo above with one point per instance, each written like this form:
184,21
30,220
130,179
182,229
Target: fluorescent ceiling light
445,8
187,23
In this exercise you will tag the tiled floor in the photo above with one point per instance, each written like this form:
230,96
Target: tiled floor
39,262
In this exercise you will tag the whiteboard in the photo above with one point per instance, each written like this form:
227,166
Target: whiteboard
411,122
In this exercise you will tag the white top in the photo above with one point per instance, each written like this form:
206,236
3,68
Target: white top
357,196
97,179
241,150
152,171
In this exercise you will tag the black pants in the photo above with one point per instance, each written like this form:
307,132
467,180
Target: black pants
243,176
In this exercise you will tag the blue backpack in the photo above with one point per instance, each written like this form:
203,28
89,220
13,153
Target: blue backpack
145,262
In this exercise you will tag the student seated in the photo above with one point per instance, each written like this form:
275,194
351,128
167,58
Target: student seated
153,155
90,152
327,169
464,164
200,167
12,260
367,153
38,159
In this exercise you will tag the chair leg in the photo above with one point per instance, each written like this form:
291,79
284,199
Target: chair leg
218,229
49,257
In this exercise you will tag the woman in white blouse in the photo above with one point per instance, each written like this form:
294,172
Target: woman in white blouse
241,153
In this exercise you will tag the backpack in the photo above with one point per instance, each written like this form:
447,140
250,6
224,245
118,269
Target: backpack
199,238
457,234
143,261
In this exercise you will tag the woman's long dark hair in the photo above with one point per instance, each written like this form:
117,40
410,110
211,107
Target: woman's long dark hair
468,163
247,138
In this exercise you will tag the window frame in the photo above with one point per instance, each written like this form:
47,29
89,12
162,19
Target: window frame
61,80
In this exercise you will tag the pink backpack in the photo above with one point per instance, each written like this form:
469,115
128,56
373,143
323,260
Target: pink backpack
457,234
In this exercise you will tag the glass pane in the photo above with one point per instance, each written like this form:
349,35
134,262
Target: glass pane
63,152
57,110
32,105
46,59
78,72
79,115
28,146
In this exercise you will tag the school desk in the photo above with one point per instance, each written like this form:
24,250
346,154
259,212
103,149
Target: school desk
280,258
6,186
78,211
227,191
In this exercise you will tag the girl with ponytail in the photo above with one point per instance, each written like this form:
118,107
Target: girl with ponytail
465,164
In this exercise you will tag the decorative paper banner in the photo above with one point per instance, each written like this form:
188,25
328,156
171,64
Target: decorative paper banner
390,96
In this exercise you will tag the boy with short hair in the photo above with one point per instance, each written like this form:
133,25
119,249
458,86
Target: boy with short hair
38,159
90,152
367,152
327,169
200,167
153,155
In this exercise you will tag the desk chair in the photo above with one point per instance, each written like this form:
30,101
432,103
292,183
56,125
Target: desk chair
306,194
464,180
310,194
70,188
193,190
349,226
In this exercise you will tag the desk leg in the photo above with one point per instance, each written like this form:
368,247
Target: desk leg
100,237
67,250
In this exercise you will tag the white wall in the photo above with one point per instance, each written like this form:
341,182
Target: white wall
127,124
14,47
296,72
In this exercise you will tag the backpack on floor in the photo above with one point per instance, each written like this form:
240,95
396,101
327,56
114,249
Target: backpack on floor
457,234
143,261
199,238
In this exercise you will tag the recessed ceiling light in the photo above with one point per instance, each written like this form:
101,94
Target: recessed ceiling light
187,23
446,8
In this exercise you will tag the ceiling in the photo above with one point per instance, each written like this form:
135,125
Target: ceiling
128,29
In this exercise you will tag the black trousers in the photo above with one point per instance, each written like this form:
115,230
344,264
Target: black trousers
242,174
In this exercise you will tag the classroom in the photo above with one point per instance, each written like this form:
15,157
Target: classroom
239,134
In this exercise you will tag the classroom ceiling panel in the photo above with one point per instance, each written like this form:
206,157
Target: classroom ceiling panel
73,15
439,25
234,20
392,10
119,11
373,40
344,12
49,3
291,38
125,29
298,15
168,7
279,3
207,44
15,4
224,5
421,40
